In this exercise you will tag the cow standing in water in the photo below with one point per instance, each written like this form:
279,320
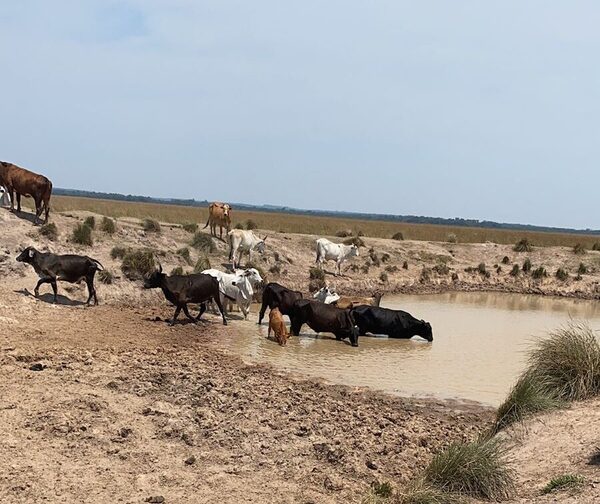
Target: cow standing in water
26,183
219,214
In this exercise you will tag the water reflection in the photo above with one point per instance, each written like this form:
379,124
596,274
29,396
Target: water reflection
478,349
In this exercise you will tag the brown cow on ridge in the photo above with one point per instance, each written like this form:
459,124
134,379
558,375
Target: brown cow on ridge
219,214
26,183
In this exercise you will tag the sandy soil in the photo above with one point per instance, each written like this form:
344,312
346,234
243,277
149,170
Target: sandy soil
105,404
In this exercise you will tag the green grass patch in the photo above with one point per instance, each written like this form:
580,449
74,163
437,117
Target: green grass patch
82,235
564,482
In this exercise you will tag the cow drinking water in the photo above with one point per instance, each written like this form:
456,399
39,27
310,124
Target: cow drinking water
277,296
394,323
68,268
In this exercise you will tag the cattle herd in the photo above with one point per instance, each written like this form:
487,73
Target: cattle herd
327,311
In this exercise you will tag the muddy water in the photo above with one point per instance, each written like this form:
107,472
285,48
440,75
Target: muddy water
478,348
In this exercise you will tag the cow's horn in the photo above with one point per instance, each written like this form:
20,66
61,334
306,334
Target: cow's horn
265,238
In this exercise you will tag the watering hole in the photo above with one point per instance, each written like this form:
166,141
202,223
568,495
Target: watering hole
479,348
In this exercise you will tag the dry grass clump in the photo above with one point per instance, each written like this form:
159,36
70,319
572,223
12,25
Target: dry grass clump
505,260
562,274
383,276
50,231
190,227
315,273
251,225
106,277
527,265
202,264
177,270
203,242
451,238
90,222
583,269
477,469
151,226
138,264
108,226
564,482
82,235
118,252
343,233
523,245
184,253
596,246
355,240
539,273
579,249
421,492
398,236
515,270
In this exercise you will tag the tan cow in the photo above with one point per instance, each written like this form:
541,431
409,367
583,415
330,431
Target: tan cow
277,325
348,302
26,183
219,214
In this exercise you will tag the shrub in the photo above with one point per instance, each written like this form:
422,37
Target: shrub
50,231
108,225
425,275
391,269
177,270
539,273
239,225
151,226
515,270
105,276
568,363
343,233
202,264
482,269
527,265
190,227
405,265
138,264
82,234
383,276
118,252
477,469
523,246
315,273
528,397
90,222
451,238
184,253
250,224
385,257
203,242
564,482
582,270
275,269
441,269
355,240
505,260
596,246
561,274
579,249
398,236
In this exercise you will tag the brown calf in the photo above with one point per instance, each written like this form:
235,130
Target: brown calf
26,183
277,325
219,214
352,302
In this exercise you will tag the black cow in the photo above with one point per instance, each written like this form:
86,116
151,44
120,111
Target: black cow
277,296
183,289
323,318
68,268
394,323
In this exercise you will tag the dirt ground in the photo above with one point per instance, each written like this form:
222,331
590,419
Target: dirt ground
106,404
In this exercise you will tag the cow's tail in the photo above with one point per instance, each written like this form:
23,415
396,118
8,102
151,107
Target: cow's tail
229,239
97,264
318,254
46,196
207,222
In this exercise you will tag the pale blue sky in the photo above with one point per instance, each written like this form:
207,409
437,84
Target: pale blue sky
473,109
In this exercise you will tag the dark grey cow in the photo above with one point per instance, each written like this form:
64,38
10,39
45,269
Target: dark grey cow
67,268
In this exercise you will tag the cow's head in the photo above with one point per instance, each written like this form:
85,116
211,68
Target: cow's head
27,255
326,295
226,210
253,276
353,251
155,279
260,245
424,330
351,328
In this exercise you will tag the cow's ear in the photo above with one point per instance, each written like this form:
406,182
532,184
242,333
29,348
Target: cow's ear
31,253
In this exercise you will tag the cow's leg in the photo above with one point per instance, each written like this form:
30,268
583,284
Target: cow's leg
263,309
19,202
175,315
187,313
295,327
202,310
220,232
41,281
91,291
218,301
10,192
54,289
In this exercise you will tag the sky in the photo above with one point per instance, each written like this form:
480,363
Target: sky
485,110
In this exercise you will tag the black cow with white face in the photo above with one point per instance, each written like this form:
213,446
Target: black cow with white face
67,268
394,323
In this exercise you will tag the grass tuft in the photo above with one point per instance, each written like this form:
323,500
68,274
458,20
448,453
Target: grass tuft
184,253
106,277
50,231
82,235
523,245
562,274
177,270
90,222
583,269
190,227
315,273
251,225
539,273
398,236
451,238
527,265
477,469
355,240
118,252
203,263
151,226
421,492
138,264
579,249
108,225
203,242
564,482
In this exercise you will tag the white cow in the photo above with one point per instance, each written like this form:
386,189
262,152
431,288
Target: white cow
239,286
243,241
326,295
4,198
338,252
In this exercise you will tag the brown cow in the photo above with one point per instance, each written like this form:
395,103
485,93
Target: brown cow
219,214
26,183
277,325
348,302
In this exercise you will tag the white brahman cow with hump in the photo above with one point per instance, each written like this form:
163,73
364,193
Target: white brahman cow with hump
244,241
338,252
239,286
326,295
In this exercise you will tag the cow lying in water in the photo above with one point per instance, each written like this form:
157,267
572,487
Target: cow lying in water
323,318
277,296
394,323
68,268
183,289
352,302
